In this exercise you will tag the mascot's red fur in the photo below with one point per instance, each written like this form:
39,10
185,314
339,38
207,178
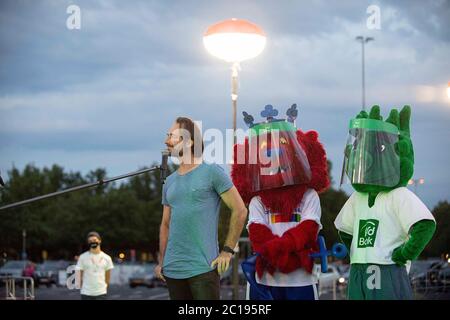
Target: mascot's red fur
290,251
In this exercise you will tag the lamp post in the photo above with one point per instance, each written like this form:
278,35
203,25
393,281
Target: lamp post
24,244
363,41
416,182
234,41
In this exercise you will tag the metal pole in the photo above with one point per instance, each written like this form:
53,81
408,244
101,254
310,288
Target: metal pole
234,96
24,244
84,186
363,40
363,78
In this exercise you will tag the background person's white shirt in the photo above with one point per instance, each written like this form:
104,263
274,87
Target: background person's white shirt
94,267
309,209
377,231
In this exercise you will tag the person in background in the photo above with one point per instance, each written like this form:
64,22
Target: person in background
95,269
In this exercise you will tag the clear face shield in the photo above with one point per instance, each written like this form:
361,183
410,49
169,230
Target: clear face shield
370,155
276,158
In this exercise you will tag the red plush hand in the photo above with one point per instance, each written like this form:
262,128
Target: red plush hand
287,253
288,263
296,260
259,235
274,251
262,265
302,236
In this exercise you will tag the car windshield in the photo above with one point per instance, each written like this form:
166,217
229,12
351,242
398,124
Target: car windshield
420,266
343,268
146,269
15,264
49,265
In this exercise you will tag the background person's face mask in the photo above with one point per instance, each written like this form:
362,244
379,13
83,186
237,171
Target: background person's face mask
93,245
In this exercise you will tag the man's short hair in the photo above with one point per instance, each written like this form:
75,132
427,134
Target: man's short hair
93,234
196,135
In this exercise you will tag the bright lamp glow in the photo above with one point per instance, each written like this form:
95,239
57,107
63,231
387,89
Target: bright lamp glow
448,90
234,40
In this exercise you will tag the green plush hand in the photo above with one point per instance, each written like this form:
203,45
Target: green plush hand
398,257
420,234
346,239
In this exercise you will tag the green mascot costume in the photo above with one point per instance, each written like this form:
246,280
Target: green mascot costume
383,223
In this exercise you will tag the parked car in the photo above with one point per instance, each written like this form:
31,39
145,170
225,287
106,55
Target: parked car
344,271
444,276
47,273
14,268
144,277
328,278
425,273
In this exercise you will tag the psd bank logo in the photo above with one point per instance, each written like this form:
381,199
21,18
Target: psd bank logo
367,233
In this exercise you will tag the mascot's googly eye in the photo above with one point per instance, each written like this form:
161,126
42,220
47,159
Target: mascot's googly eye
283,140
263,145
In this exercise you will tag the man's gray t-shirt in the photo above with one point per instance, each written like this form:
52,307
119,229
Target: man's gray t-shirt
194,199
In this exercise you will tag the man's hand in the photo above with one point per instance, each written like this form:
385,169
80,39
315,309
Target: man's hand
222,262
158,272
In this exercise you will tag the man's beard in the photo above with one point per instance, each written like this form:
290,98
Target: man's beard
175,152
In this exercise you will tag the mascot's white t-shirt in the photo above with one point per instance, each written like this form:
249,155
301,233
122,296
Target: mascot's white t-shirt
309,209
377,231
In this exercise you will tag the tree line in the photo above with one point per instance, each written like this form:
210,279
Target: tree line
127,213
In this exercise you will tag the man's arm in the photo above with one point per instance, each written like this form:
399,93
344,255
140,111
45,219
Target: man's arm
107,277
237,220
164,233
238,215
81,278
163,236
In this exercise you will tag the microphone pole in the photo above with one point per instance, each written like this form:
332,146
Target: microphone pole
162,168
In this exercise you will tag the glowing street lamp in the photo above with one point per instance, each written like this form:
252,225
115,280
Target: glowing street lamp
448,90
234,40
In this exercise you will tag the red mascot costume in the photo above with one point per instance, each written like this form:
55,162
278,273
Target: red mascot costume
279,172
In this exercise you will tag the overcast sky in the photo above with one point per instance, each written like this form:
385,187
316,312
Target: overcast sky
105,95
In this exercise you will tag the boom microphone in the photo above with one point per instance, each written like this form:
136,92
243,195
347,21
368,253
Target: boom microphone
165,155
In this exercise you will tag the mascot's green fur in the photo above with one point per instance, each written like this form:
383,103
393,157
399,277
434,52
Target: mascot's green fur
421,231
